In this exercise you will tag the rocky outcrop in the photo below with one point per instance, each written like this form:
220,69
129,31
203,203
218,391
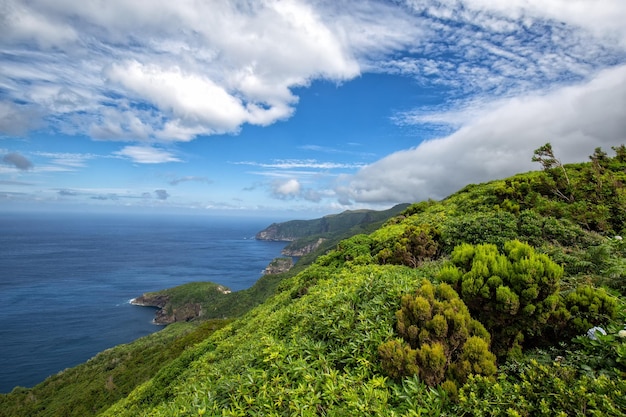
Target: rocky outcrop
147,300
166,313
278,266
275,233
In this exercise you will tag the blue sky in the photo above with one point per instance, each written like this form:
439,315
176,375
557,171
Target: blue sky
297,107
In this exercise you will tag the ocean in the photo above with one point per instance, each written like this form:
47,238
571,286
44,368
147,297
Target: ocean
66,279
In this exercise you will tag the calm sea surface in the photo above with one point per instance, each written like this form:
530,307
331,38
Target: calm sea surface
66,280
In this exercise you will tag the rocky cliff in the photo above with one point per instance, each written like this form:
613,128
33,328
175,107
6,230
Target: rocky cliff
275,232
278,266
171,310
295,249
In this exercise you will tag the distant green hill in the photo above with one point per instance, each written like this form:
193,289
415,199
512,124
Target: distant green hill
306,236
478,304
330,225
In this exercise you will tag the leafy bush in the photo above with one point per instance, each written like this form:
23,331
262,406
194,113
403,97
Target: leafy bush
481,227
412,248
440,341
542,390
513,293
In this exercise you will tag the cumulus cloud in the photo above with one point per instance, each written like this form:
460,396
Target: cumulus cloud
292,189
181,69
18,161
286,189
498,140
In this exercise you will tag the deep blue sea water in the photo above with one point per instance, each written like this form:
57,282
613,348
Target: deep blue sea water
66,279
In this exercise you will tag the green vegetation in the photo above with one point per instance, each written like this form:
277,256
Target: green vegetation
322,234
477,305
513,293
441,342
213,301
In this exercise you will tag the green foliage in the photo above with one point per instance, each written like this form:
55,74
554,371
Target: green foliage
593,195
512,293
413,247
608,261
346,224
587,307
439,339
314,354
481,227
542,390
557,181
592,352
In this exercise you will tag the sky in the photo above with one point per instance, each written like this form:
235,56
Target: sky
304,107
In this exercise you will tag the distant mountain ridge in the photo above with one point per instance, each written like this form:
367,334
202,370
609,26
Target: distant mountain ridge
328,225
306,236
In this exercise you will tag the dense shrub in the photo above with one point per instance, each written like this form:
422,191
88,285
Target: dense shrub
512,293
543,390
440,341
414,246
481,227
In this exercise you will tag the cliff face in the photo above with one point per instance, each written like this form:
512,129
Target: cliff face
166,313
169,312
278,266
274,232
301,250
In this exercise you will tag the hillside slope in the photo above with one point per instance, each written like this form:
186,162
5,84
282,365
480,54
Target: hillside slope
474,305
319,346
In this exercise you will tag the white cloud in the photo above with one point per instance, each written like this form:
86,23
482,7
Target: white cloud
66,159
189,178
510,48
182,69
289,188
23,23
191,99
301,163
147,155
498,140
603,17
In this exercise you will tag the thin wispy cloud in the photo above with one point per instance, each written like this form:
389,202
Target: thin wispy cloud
147,155
306,163
20,183
333,150
66,159
498,48
189,178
